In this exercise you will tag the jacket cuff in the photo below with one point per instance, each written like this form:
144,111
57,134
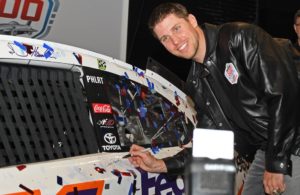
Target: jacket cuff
176,164
283,166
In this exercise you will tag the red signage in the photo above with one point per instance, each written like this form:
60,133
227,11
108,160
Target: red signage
101,108
24,9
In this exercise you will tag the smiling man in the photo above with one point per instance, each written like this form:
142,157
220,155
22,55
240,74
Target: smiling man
242,80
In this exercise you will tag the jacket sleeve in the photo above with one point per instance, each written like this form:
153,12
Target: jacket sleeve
270,65
176,164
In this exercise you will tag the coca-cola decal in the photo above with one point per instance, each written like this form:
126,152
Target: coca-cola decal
101,108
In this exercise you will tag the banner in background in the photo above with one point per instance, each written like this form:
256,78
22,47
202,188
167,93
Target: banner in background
96,25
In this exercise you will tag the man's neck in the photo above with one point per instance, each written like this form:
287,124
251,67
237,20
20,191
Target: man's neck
200,54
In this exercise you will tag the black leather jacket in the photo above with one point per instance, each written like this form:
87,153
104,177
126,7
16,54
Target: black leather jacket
247,83
297,46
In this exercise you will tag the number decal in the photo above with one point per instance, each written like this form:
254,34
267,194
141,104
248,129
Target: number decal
37,4
38,12
14,12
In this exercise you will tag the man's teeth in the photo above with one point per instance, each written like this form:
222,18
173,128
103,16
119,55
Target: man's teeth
182,47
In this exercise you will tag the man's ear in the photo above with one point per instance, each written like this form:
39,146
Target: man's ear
192,19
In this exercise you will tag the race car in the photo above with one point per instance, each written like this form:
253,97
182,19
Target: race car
69,115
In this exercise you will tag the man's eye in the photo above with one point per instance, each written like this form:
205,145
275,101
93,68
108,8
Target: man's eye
164,39
177,28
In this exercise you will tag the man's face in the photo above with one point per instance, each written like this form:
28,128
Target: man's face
178,35
297,27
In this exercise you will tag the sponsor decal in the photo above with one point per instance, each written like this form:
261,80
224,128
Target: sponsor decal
110,138
101,108
94,79
111,147
107,123
231,73
101,64
31,18
160,184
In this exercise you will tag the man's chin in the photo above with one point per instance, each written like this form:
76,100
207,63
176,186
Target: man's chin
188,57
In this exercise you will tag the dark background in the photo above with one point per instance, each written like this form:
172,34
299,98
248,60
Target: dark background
275,16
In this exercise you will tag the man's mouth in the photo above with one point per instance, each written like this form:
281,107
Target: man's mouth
182,47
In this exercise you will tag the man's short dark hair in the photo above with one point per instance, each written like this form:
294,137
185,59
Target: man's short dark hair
161,11
297,15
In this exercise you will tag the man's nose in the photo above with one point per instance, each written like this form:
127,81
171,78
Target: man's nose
175,39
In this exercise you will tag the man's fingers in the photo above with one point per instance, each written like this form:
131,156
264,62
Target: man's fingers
267,190
273,183
144,155
135,147
135,161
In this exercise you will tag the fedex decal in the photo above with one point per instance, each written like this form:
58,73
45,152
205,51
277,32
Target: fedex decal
31,18
161,184
101,108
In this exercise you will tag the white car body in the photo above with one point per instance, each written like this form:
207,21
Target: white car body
99,173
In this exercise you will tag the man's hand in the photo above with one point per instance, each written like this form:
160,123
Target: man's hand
145,160
273,182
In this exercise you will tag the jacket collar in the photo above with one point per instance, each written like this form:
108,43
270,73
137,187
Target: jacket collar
210,34
198,70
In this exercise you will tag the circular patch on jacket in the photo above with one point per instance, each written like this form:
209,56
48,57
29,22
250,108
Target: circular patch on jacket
231,73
